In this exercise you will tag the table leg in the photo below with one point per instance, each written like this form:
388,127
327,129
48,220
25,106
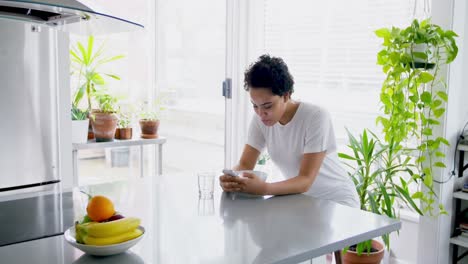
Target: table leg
160,159
142,161
75,167
338,257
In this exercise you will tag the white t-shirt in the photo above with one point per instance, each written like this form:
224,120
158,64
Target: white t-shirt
309,131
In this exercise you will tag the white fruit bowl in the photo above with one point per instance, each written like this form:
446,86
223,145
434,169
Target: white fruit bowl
101,250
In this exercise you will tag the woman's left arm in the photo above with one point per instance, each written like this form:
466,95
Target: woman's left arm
310,166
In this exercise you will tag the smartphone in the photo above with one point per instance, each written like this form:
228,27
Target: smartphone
230,172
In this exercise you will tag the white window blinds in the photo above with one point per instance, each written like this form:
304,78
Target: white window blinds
330,48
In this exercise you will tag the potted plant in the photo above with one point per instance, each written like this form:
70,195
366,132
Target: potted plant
376,169
149,120
104,121
412,98
86,62
124,130
79,125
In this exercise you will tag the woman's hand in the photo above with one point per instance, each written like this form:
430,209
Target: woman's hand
231,183
253,184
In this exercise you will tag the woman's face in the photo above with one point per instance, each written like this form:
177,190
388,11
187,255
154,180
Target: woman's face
268,106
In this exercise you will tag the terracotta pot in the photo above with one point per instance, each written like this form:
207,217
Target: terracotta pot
351,257
123,133
149,128
104,125
90,129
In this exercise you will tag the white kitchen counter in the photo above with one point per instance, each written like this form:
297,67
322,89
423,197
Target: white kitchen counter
180,228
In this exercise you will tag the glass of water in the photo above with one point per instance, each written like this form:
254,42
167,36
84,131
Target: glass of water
206,184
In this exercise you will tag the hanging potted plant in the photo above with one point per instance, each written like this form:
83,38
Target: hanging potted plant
412,98
86,62
104,121
79,125
149,120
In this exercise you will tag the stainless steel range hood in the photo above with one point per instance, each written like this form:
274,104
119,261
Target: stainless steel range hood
79,17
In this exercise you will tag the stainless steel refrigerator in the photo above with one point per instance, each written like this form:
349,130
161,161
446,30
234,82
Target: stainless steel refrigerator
33,58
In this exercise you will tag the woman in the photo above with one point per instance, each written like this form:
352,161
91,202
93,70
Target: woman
299,138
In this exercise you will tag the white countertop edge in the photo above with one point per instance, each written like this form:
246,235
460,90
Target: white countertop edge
340,245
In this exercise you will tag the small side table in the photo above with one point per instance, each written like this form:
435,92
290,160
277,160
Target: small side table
91,144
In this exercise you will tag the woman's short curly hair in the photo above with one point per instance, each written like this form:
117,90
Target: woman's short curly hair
269,72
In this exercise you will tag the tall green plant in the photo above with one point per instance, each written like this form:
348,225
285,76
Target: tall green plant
86,63
413,95
377,170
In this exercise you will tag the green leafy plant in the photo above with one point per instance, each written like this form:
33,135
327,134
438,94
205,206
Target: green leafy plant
413,98
107,102
125,119
377,170
78,114
86,63
151,112
264,157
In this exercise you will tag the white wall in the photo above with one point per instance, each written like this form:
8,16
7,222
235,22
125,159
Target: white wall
434,233
457,112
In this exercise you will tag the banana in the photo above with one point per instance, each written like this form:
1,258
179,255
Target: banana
78,236
109,229
102,241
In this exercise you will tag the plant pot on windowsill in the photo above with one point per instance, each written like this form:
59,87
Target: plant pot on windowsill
149,128
104,126
374,257
124,133
80,131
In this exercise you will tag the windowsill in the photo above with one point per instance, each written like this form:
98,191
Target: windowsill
409,216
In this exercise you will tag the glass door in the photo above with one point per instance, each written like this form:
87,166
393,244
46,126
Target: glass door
190,60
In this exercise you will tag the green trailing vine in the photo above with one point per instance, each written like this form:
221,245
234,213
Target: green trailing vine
413,96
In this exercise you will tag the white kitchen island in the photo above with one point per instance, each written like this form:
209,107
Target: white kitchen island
181,228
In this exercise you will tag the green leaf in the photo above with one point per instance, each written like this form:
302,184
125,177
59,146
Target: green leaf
440,154
428,180
421,159
382,33
443,140
103,61
417,195
425,77
112,76
427,131
440,164
408,199
436,103
439,112
426,97
443,95
79,94
89,54
420,55
450,34
414,98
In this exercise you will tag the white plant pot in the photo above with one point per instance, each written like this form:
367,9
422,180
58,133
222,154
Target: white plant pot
80,131
419,48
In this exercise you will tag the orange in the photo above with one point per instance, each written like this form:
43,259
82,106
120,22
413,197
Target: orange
100,208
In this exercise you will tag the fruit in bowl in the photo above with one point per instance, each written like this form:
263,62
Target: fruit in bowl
103,226
107,233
